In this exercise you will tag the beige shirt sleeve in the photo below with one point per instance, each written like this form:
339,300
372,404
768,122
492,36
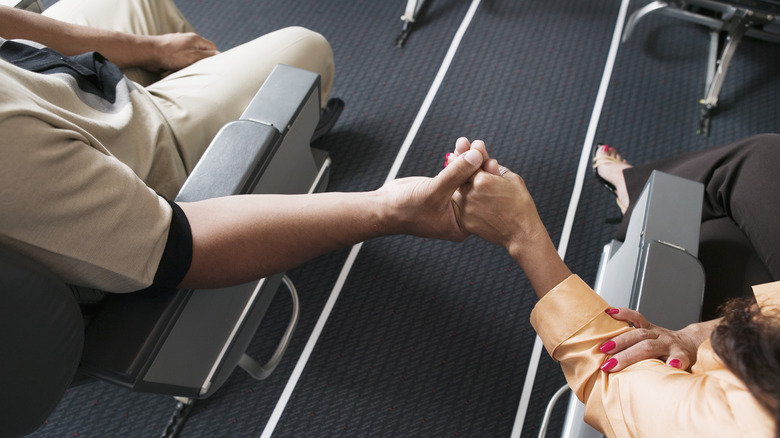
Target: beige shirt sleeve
77,209
648,398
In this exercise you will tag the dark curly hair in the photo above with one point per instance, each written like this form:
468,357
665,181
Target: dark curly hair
749,345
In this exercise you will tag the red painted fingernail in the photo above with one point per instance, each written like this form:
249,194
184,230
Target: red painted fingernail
607,347
447,159
674,363
608,365
612,311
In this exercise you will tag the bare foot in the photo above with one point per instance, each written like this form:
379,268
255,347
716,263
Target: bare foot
610,165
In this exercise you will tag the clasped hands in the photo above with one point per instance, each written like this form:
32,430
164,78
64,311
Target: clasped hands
469,196
495,205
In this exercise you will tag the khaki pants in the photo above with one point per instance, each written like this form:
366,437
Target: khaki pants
198,100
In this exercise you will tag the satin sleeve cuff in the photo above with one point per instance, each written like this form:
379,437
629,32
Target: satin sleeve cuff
564,311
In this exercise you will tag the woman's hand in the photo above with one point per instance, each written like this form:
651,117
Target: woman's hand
649,341
495,205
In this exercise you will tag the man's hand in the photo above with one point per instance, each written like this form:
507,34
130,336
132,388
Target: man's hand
649,341
424,206
174,51
168,52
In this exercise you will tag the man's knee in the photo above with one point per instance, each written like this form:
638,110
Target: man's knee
308,36
310,50
305,41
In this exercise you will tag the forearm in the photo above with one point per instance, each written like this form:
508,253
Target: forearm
537,256
241,238
124,50
236,239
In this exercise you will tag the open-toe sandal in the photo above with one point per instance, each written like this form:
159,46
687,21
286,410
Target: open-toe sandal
597,161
